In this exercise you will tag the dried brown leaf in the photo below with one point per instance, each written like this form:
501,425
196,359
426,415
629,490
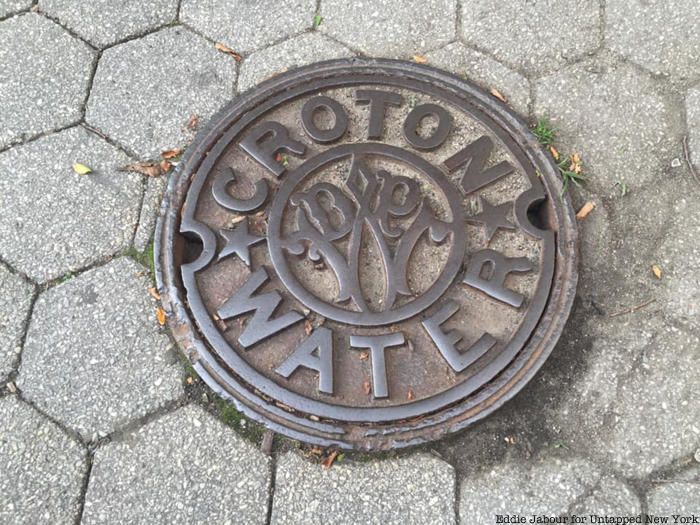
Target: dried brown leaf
498,95
160,315
554,152
165,166
193,122
364,355
150,169
575,165
154,293
656,270
228,51
189,380
171,153
410,395
585,210
420,59
329,459
367,387
308,327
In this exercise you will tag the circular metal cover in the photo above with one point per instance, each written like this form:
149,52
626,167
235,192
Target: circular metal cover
366,253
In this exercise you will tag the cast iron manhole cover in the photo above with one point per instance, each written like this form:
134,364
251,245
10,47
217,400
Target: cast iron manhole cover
366,253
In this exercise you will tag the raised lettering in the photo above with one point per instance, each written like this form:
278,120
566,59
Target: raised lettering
377,345
474,156
446,342
316,353
488,270
268,139
262,324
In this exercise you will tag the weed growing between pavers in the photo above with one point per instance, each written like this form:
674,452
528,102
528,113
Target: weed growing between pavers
570,167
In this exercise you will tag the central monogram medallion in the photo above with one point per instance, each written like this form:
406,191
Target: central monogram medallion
336,226
366,253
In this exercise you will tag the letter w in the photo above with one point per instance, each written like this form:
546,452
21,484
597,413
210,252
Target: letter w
261,325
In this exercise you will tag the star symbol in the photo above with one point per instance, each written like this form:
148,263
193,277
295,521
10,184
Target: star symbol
493,217
238,241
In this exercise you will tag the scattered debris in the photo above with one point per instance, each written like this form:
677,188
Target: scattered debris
160,315
367,387
656,270
154,293
81,169
227,50
317,20
329,459
171,153
410,395
189,380
554,152
420,59
364,355
308,327
192,123
150,169
11,387
510,439
632,309
498,95
165,166
676,163
585,210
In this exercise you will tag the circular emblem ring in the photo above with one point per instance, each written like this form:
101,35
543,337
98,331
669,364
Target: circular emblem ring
366,254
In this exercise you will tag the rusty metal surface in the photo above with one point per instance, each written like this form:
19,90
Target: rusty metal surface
366,253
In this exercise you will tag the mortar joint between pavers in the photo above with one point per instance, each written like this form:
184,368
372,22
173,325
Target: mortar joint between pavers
132,426
31,138
141,34
68,30
89,461
75,436
14,372
11,14
272,486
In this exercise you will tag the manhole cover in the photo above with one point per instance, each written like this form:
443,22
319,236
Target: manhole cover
366,253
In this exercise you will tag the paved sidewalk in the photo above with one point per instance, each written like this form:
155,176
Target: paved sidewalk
100,422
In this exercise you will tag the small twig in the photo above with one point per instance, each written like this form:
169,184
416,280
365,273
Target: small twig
686,153
633,308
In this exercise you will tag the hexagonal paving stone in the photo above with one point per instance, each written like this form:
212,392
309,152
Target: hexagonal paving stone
485,72
94,357
104,22
45,74
415,489
635,402
679,495
246,26
547,486
653,34
390,28
15,300
615,117
299,51
41,468
692,108
53,220
185,76
538,35
185,467
7,7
